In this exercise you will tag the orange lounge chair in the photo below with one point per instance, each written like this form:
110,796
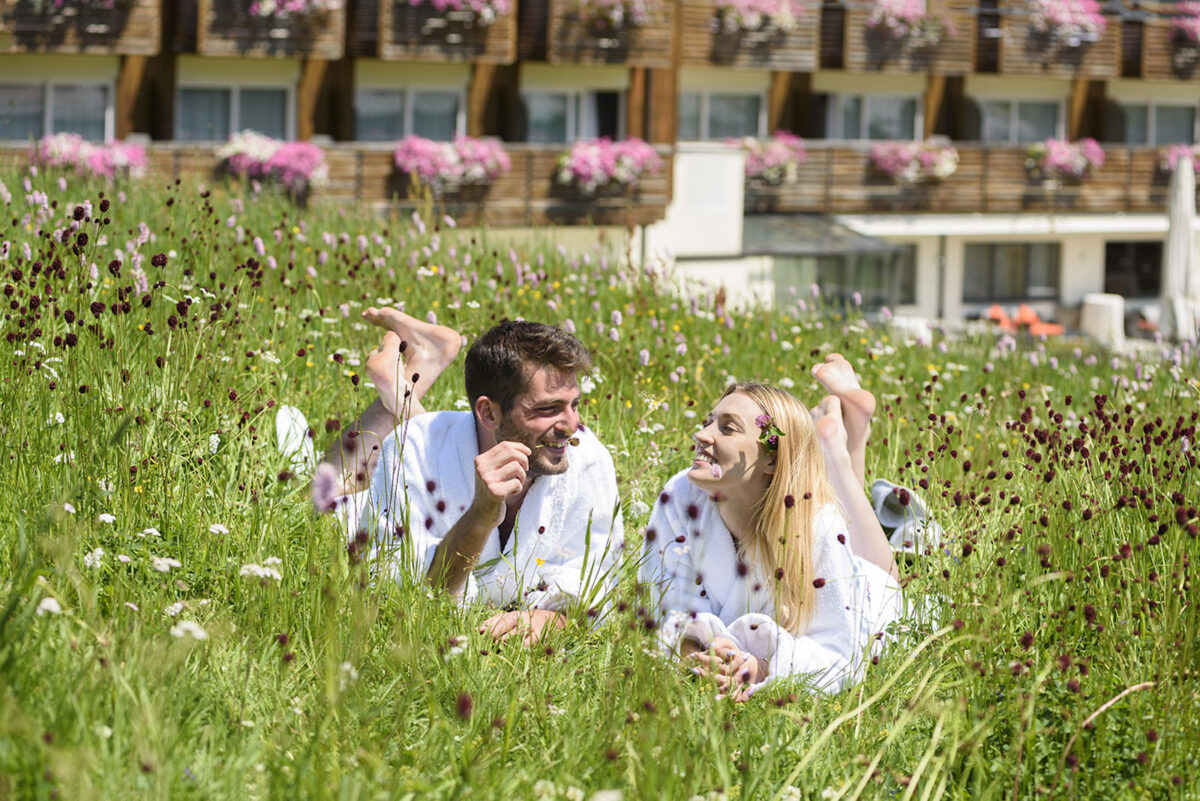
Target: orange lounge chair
1000,317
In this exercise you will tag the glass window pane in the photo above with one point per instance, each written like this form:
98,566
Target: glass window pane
1008,270
1136,130
203,115
905,276
995,118
733,115
378,115
891,118
1174,124
689,115
435,115
1036,121
263,110
79,109
546,117
21,112
1042,271
977,272
851,118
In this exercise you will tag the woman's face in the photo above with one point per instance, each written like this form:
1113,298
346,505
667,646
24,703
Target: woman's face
729,457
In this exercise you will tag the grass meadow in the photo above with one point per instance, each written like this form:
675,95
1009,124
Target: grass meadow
177,622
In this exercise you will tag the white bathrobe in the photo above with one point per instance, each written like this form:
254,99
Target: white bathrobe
564,547
692,566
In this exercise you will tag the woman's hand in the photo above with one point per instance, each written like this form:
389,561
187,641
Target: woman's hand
732,669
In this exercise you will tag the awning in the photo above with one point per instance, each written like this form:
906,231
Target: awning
806,235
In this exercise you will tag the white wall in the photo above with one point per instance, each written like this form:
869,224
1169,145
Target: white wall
704,217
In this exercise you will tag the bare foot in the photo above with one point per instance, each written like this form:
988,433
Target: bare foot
385,368
837,376
429,349
831,431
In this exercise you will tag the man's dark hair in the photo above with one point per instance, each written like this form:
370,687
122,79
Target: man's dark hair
501,362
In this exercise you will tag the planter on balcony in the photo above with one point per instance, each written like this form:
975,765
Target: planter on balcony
573,38
423,33
226,28
1167,55
1024,50
125,27
871,49
706,40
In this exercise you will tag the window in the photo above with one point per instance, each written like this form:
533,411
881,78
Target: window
882,279
213,113
1153,124
874,117
1133,269
384,115
557,117
30,111
1010,271
720,115
1018,121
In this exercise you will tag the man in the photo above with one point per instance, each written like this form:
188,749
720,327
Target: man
514,502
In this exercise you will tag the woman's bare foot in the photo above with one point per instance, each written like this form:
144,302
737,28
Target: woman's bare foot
429,349
385,368
831,431
837,375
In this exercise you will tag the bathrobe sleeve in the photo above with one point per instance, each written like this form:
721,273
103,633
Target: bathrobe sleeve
670,569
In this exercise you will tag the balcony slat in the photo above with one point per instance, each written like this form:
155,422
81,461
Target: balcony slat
131,28
703,43
870,50
570,40
226,29
1162,58
1024,51
422,33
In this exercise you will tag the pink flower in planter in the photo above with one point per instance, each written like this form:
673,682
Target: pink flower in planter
753,15
283,10
775,160
914,162
591,164
1185,24
1071,22
1169,156
1058,158
486,11
296,166
908,20
72,152
445,165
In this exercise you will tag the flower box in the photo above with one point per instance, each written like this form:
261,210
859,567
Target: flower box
121,27
1031,47
238,28
454,32
711,36
775,160
909,163
884,37
1169,53
294,167
1057,161
71,153
577,36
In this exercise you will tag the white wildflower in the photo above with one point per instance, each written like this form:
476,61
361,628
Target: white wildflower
174,609
68,508
271,561
123,559
188,628
163,564
260,571
105,517
149,531
132,605
48,606
214,442
347,676
94,559
56,419
544,788
217,528
573,794
102,731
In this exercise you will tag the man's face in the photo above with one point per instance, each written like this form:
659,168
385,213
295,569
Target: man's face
544,418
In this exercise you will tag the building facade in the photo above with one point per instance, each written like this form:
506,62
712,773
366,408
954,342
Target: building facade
989,78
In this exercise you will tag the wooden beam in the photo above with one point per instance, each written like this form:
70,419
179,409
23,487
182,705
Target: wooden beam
662,104
312,74
777,100
935,95
130,82
479,89
635,104
1076,107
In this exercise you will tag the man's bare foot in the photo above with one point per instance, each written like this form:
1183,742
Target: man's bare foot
385,368
429,348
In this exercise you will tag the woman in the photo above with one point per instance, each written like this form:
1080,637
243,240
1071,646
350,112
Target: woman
766,556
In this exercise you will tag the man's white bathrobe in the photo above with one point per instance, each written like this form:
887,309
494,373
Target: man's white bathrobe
566,542
692,567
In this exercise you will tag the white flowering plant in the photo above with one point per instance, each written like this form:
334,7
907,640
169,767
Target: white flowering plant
915,162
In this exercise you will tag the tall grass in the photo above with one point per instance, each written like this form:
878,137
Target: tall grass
1056,654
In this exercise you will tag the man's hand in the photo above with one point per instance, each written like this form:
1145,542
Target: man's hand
530,625
500,472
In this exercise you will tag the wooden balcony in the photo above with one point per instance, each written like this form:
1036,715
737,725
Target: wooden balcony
131,27
1163,57
551,30
872,50
225,28
422,33
703,42
1025,51
839,179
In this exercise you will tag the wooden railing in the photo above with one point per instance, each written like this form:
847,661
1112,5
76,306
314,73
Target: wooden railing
131,27
869,49
1025,51
225,28
365,175
422,33
704,41
838,179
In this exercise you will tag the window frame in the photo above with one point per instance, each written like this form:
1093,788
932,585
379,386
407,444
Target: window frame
833,120
1025,296
235,93
1152,121
580,115
1014,117
705,110
407,92
47,89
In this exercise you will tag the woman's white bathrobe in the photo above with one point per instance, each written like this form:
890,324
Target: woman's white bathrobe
692,566
564,546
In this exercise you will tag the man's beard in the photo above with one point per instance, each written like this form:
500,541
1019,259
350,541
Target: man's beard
507,431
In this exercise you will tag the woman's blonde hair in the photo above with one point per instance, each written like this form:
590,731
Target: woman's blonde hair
780,540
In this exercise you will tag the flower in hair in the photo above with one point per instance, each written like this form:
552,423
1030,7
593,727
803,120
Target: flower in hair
768,432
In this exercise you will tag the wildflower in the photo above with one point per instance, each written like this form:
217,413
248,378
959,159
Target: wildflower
163,564
264,572
464,705
347,676
188,628
94,559
48,606
174,609
324,488
123,559
105,517
150,531
68,508
544,788
218,528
